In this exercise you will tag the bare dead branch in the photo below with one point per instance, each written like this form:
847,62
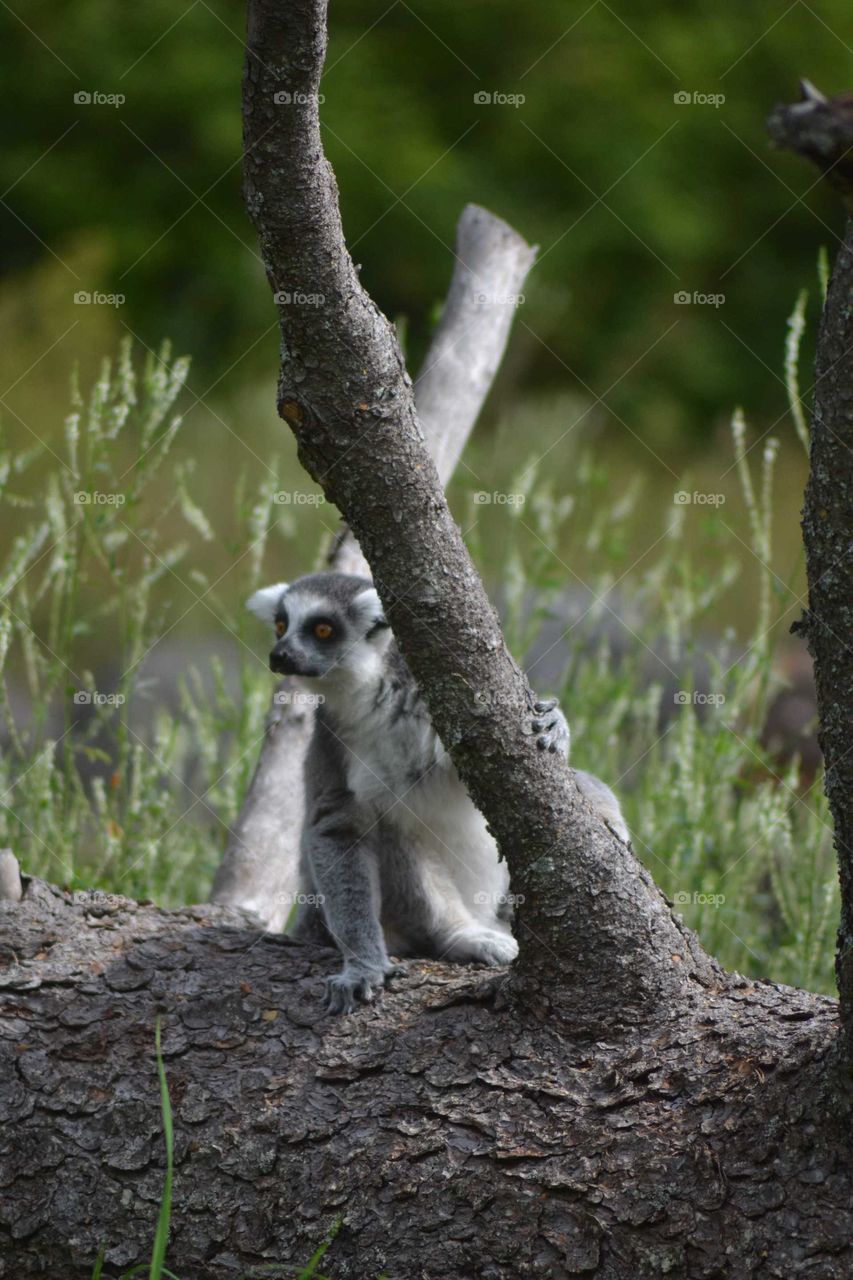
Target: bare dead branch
821,130
10,877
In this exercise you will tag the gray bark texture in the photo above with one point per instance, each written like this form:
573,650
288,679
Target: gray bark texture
822,131
454,1136
258,872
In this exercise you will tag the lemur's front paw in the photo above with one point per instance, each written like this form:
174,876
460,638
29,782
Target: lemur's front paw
356,985
551,726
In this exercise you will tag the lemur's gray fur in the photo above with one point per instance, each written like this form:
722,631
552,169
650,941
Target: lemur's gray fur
393,849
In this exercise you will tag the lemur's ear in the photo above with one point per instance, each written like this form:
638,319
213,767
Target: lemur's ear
264,603
368,608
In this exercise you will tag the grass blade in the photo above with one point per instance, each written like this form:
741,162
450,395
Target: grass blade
161,1238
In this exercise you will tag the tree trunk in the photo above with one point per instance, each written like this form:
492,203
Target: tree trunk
823,131
454,1139
828,534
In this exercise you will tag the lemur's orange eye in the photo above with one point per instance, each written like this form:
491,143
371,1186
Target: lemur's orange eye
323,630
280,628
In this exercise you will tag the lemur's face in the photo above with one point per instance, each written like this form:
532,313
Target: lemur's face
325,624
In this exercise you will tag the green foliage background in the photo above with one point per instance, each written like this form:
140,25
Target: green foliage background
133,791
631,196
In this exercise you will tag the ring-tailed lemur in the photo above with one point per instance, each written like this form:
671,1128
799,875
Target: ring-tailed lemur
392,845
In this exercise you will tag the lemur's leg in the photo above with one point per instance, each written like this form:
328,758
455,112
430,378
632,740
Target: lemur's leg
464,909
424,904
474,942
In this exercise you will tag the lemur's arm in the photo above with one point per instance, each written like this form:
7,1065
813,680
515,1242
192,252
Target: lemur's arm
339,863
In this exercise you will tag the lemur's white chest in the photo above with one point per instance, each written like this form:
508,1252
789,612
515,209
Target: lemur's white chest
399,771
398,766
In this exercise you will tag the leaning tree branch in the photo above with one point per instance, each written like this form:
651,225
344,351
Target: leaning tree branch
596,935
822,131
258,872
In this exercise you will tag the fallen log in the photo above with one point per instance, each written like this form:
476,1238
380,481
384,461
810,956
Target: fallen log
451,1135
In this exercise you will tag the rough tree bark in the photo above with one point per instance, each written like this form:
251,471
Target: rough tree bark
822,130
679,1121
258,872
455,1139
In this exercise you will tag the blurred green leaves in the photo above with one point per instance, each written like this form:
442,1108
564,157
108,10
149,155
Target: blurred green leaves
631,195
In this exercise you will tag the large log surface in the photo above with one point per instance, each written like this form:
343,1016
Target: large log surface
455,1139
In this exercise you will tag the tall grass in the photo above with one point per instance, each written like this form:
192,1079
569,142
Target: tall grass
101,782
131,793
670,712
671,715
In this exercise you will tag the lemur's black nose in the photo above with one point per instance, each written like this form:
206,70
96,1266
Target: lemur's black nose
282,664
